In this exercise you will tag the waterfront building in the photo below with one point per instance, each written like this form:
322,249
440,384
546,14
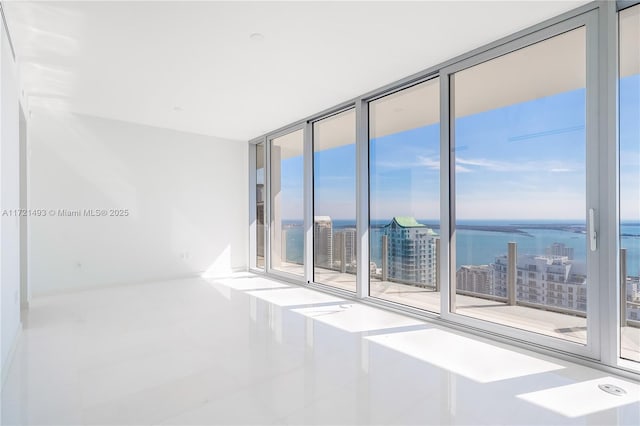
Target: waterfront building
410,252
552,280
323,241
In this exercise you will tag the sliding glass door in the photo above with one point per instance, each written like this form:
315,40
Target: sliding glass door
523,250
334,201
629,85
286,175
483,191
404,177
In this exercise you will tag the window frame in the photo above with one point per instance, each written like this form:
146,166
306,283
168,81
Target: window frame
310,204
293,278
253,243
612,351
448,196
365,143
603,348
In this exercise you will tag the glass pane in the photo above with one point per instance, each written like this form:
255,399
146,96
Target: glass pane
260,206
404,175
287,219
519,247
334,201
630,182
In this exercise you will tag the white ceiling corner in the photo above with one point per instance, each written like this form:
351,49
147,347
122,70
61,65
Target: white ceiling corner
192,66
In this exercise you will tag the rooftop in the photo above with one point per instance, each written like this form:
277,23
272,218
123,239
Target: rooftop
406,222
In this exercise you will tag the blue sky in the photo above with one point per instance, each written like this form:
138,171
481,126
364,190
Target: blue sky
335,182
405,174
630,148
524,161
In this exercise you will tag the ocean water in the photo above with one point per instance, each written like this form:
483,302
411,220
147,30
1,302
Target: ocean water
480,247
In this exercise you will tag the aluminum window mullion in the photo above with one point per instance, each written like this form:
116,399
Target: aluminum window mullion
593,175
308,202
608,184
253,243
267,205
446,197
362,198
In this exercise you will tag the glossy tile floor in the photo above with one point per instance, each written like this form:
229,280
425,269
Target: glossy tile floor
249,350
554,324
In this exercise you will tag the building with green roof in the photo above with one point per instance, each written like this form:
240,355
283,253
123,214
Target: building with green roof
409,252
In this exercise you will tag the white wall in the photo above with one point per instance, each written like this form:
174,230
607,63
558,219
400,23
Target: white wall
186,195
9,200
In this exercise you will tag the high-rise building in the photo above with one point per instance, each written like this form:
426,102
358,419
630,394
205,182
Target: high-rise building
552,280
323,241
344,248
475,278
633,298
410,252
559,249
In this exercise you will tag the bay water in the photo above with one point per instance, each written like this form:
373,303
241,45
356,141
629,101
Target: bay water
481,244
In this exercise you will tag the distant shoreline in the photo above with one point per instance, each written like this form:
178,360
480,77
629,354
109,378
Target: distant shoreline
508,228
511,229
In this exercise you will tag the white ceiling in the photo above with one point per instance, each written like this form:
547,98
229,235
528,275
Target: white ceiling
192,66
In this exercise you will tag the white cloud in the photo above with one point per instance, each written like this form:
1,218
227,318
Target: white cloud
468,165
429,162
480,162
519,166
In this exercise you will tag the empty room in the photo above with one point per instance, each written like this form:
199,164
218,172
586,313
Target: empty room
320,213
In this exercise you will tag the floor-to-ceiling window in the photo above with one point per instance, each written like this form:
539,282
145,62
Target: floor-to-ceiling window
520,189
287,203
629,86
259,202
486,191
404,168
334,201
